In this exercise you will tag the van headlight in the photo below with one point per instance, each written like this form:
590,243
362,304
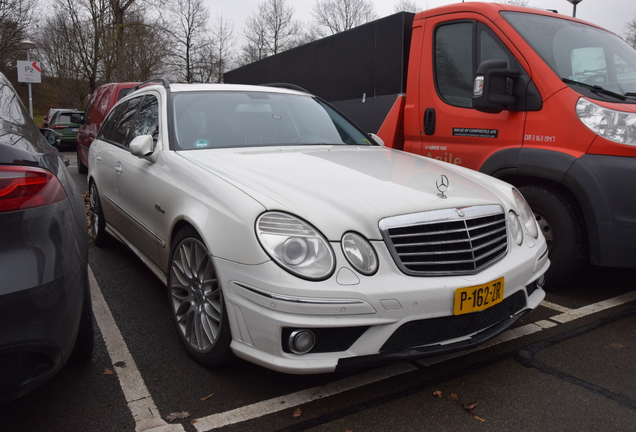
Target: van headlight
525,214
617,126
295,245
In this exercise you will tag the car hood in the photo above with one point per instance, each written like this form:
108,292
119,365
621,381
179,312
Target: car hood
343,188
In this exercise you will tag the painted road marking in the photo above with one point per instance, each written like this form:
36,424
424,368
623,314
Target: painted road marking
555,306
140,403
147,417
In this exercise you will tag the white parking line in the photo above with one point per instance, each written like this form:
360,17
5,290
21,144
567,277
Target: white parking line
554,306
288,401
139,401
147,417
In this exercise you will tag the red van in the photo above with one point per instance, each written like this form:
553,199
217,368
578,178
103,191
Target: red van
100,103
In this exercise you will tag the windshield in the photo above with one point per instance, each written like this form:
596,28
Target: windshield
579,52
218,119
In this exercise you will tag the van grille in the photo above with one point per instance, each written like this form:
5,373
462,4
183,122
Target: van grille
447,242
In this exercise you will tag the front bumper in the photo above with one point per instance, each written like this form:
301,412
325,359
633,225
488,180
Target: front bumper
362,321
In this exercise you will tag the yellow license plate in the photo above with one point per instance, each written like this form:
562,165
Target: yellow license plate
479,297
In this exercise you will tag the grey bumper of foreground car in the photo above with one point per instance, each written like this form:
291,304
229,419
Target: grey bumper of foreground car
43,268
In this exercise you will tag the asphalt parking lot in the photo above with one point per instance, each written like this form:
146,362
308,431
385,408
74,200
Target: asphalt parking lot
568,366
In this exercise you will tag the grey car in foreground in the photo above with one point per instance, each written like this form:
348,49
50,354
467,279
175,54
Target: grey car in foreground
45,308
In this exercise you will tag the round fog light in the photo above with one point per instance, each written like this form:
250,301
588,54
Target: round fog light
301,341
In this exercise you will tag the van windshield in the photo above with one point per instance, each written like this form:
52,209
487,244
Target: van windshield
588,57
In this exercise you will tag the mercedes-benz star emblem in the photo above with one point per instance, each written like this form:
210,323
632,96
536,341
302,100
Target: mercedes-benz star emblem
442,186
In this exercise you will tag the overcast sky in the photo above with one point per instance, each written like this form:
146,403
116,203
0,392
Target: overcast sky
610,14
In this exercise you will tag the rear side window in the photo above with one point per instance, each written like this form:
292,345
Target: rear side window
119,122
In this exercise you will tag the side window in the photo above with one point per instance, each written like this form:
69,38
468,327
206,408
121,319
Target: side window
147,120
107,129
454,63
122,126
459,49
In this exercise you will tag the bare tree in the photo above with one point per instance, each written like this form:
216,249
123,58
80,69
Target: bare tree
147,49
16,16
630,33
270,31
222,44
407,6
339,15
72,43
189,31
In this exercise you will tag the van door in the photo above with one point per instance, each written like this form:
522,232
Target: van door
451,130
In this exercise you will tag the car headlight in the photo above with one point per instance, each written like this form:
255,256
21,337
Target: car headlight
617,126
360,253
295,245
525,214
516,230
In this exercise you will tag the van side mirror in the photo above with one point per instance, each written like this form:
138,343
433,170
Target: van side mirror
77,118
492,90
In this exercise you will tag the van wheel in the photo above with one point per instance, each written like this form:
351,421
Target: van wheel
564,231
98,224
196,301
81,168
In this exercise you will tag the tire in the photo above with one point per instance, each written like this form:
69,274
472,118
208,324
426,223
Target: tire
564,230
81,168
83,349
196,301
98,223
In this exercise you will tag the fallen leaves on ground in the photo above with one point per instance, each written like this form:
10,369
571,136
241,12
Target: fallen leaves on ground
297,412
470,407
175,416
437,393
207,397
108,372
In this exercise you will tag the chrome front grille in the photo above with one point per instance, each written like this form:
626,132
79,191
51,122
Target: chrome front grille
447,242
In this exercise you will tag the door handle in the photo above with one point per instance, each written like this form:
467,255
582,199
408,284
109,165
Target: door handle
429,121
98,157
118,168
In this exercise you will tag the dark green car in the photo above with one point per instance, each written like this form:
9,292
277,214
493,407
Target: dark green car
62,124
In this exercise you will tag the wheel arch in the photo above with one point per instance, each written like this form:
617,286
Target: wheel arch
570,177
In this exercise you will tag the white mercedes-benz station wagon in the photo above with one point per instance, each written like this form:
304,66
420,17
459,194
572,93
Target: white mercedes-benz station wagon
289,238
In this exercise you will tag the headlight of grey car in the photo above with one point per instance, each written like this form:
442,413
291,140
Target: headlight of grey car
295,245
525,214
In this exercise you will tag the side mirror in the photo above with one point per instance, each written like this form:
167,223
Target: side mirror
52,137
77,118
492,90
377,139
142,146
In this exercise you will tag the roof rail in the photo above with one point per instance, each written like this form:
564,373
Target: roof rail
161,80
286,86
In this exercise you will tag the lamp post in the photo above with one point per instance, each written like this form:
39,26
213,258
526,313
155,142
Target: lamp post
27,45
574,3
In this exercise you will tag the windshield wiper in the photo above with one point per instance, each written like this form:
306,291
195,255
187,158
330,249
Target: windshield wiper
596,88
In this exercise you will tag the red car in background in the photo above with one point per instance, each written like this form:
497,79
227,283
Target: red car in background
100,103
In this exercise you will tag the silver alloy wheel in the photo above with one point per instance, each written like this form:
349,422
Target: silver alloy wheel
94,211
196,296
